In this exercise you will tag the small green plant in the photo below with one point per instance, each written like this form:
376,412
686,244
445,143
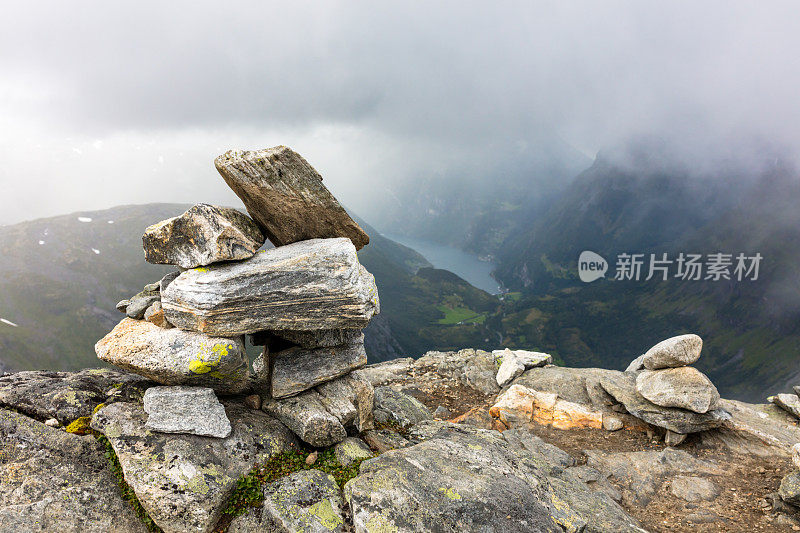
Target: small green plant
126,490
249,488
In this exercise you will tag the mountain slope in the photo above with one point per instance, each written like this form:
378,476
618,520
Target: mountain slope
750,327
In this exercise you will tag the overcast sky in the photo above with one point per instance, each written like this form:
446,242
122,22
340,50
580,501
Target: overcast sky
105,103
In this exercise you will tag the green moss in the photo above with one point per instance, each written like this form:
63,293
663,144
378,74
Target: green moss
126,490
249,488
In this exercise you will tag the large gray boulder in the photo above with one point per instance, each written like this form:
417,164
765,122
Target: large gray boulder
67,396
298,369
789,490
308,501
193,410
184,481
673,352
622,386
286,196
309,285
466,479
176,357
202,235
684,387
51,480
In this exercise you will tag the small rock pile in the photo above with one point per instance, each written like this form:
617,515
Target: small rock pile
664,379
306,301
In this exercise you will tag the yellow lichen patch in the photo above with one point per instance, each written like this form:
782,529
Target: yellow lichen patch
450,493
99,406
200,269
378,523
80,426
197,484
327,517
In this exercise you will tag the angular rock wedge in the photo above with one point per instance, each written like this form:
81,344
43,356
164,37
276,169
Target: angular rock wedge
202,235
297,369
673,352
309,285
307,417
176,357
184,481
286,197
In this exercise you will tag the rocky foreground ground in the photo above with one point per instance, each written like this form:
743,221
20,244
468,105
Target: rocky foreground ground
449,452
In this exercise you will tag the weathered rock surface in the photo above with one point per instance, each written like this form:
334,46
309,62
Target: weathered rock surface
576,385
321,416
472,368
788,402
636,365
298,369
684,387
761,430
176,357
465,479
306,501
315,284
519,406
202,235
351,450
399,408
790,488
286,196
383,440
515,362
183,481
307,417
673,352
622,386
56,481
693,488
67,396
194,410
642,474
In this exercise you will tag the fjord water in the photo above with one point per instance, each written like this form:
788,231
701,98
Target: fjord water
476,271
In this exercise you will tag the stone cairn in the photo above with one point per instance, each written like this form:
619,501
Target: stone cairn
306,301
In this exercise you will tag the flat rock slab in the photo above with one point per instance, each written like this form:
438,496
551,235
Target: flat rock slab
176,357
693,488
179,409
286,196
673,352
202,235
324,338
622,386
762,430
640,475
321,416
576,385
399,408
683,387
309,285
467,479
67,396
308,501
184,481
57,481
298,369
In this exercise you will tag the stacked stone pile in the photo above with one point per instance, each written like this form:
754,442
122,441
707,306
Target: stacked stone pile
661,388
306,301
